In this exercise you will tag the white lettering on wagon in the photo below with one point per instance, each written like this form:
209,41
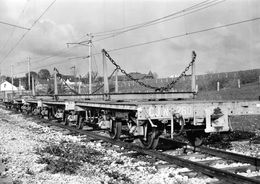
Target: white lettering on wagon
160,111
69,105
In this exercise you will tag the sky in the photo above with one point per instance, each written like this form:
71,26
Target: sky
69,21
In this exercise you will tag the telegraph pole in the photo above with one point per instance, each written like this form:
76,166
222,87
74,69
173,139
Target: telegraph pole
29,75
90,63
88,42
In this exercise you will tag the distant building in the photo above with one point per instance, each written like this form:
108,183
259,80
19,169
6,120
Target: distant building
174,76
7,86
73,83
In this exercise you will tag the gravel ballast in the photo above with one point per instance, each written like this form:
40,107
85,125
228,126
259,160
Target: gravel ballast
35,153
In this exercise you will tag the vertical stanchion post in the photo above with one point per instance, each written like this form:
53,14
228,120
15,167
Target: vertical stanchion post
55,82
193,78
116,81
79,90
106,89
217,86
20,86
33,89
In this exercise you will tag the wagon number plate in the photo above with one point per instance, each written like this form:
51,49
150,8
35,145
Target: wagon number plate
69,105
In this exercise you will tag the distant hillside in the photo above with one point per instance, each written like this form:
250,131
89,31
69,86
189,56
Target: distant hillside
207,85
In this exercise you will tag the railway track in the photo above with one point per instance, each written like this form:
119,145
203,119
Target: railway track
223,175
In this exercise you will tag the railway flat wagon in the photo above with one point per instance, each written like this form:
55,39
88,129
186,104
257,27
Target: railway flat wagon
143,116
146,119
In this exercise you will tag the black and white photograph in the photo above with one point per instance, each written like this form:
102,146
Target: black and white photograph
129,91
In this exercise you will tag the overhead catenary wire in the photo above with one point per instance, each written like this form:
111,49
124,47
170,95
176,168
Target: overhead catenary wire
58,53
189,8
47,65
186,34
175,15
22,37
14,28
159,40
171,18
173,37
13,25
147,22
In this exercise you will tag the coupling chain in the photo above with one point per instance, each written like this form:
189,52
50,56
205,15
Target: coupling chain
161,89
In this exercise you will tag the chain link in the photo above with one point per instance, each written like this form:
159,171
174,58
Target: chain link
64,81
103,83
161,89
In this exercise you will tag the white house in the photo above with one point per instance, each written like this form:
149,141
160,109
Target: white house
7,86
73,83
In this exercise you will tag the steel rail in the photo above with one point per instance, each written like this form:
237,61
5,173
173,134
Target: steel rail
198,167
221,153
229,155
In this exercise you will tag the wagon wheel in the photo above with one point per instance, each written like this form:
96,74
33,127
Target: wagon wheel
115,130
152,139
80,123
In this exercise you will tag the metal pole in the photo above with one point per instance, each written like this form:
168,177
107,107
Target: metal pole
74,74
79,90
55,83
116,81
218,86
193,78
29,75
33,90
238,83
90,64
106,89
20,86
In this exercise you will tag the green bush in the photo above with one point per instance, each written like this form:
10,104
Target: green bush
66,157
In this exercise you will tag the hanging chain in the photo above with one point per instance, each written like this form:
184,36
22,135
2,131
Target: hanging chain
170,85
126,74
103,83
63,80
161,89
